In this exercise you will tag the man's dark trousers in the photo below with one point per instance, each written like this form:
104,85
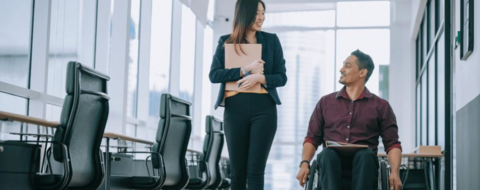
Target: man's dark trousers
363,166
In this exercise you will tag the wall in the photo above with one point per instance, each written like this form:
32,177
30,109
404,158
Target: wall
467,107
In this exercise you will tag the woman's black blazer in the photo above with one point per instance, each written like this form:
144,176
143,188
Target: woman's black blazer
274,68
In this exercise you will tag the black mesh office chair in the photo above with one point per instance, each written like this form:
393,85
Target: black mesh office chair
76,143
209,162
173,134
225,174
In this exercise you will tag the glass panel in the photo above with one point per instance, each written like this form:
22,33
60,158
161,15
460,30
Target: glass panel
311,55
375,42
159,57
53,112
418,115
424,110
431,102
424,43
15,36
12,104
281,162
431,23
367,13
441,101
187,59
440,4
72,38
131,130
383,81
297,19
206,84
132,96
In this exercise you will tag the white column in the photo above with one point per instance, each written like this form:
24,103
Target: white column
119,46
144,65
175,55
39,64
198,87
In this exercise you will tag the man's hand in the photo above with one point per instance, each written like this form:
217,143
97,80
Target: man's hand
395,182
303,174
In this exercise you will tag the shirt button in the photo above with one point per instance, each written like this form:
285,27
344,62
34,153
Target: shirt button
347,139
350,113
352,102
348,126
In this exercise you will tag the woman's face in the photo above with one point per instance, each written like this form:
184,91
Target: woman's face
257,26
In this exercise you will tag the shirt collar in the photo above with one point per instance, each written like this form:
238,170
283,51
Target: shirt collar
343,93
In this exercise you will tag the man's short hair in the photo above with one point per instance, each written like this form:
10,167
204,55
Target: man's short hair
364,62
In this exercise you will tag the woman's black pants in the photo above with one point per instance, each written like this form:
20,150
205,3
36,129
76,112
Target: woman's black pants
250,124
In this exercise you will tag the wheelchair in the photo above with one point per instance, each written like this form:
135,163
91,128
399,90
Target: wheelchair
313,181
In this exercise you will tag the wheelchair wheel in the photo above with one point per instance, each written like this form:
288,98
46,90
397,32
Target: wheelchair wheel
311,177
384,175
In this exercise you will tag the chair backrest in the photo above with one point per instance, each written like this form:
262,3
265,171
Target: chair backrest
172,138
82,124
212,149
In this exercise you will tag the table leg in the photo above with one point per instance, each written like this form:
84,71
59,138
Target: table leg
432,174
107,164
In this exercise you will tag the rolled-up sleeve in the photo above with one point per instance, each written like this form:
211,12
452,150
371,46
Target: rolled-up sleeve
315,126
389,128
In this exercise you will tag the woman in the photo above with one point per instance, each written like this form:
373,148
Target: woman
250,118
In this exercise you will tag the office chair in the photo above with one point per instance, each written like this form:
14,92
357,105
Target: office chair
209,176
76,143
173,134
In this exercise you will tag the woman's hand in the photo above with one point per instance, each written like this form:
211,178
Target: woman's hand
256,67
250,80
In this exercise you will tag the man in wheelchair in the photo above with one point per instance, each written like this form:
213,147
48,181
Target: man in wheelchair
352,115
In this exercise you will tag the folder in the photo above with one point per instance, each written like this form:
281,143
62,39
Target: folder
236,59
344,149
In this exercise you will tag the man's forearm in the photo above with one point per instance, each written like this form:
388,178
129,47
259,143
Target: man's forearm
308,151
395,159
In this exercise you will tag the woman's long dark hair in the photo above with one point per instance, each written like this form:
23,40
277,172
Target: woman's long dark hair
245,15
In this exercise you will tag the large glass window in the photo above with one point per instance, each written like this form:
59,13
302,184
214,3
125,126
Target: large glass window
16,23
375,42
187,59
310,58
159,57
72,38
297,19
363,13
134,34
314,51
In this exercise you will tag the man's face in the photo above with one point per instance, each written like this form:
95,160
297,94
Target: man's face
350,73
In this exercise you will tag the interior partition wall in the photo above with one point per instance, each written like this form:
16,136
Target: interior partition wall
434,85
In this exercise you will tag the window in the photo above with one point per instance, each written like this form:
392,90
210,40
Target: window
134,34
297,19
314,50
15,37
159,57
72,38
366,13
375,42
187,59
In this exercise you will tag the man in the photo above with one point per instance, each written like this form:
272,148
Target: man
352,115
